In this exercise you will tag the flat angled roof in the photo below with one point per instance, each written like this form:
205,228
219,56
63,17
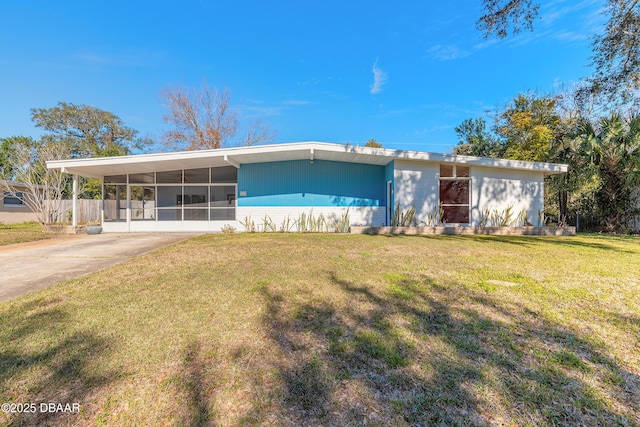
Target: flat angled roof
158,162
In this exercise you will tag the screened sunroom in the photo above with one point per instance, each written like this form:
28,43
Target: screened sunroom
203,194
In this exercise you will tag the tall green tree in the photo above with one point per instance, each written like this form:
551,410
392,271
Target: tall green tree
86,131
524,130
610,150
7,151
570,192
373,143
83,131
528,126
476,140
615,51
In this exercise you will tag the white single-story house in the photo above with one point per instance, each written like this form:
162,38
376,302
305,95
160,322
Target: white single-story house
13,209
206,190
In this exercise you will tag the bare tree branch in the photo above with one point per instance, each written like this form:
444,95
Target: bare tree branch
502,16
258,132
616,55
201,119
43,188
616,51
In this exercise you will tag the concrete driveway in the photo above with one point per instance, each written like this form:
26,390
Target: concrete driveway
26,267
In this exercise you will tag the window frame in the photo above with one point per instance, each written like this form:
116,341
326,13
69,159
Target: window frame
181,209
19,197
456,178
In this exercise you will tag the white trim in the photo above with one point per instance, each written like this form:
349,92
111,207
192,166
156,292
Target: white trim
74,203
99,167
230,161
128,205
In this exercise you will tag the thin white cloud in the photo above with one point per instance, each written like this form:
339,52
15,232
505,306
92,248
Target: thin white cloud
448,52
560,9
256,108
256,111
127,58
565,21
296,102
379,78
392,113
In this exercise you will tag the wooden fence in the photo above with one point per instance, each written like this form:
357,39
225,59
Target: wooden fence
88,210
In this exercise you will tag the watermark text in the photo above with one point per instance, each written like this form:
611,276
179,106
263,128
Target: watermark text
42,407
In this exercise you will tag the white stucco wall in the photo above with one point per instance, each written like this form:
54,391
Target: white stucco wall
416,184
166,226
357,216
493,188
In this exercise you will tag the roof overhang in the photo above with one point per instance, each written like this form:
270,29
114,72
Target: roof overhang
143,163
15,184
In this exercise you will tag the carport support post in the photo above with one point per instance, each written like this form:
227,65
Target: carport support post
74,205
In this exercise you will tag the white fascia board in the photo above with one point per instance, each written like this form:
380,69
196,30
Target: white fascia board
548,168
92,167
276,152
231,162
182,155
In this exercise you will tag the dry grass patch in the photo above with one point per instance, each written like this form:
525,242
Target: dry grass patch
25,232
337,330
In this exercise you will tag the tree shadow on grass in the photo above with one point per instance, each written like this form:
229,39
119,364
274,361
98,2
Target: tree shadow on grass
417,353
193,379
602,242
528,241
39,364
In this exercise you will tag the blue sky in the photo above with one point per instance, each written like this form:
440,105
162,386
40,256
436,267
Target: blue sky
405,73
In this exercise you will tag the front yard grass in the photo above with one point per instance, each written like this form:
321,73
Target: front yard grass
25,232
337,330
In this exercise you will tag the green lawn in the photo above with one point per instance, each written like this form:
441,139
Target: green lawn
25,232
337,330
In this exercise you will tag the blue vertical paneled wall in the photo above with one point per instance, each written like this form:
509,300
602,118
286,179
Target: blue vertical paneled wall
388,176
302,183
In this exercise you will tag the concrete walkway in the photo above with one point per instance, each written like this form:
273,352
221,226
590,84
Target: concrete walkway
26,267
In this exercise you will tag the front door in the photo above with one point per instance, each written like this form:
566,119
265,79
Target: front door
389,203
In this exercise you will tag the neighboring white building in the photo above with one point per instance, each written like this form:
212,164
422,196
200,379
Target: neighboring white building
205,190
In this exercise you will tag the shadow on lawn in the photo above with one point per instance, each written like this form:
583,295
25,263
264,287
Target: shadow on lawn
569,241
447,361
193,373
38,364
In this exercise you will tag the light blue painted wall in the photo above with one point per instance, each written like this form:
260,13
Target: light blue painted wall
300,183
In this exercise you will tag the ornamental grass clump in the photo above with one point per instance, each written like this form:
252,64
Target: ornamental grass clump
435,218
402,218
305,223
504,218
